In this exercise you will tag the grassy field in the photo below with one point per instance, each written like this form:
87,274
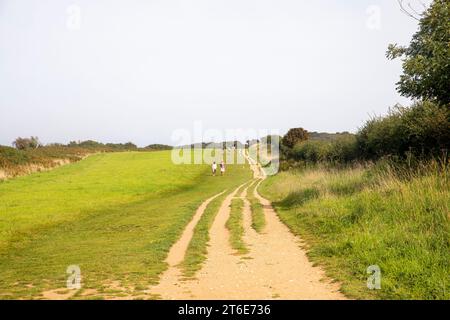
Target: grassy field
114,214
355,218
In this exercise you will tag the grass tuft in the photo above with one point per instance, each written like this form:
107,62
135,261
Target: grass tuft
235,226
258,217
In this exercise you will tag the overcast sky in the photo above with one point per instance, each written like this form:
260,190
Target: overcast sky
138,70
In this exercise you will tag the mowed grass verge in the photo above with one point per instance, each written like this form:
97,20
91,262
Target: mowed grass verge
115,215
352,219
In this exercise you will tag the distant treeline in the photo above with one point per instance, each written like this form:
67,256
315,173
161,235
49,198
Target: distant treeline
213,145
129,146
34,143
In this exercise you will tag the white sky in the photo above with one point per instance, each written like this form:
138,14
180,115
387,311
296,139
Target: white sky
138,70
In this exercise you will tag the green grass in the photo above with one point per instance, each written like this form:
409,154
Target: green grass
115,215
352,219
235,226
258,217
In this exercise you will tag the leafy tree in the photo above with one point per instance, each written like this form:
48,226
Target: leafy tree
344,149
129,146
311,151
26,143
294,136
426,61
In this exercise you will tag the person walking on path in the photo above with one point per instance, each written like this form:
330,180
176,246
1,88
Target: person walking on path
222,168
214,168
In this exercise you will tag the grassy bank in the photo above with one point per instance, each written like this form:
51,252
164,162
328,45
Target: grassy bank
115,215
235,226
355,218
15,162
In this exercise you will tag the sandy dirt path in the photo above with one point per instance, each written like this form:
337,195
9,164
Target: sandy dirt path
275,268
220,259
280,262
178,250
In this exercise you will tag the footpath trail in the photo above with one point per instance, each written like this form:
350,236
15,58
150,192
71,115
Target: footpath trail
275,268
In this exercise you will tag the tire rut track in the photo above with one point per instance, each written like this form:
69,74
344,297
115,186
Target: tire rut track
276,267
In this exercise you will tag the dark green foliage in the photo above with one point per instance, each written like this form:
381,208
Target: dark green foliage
426,63
91,144
421,130
158,147
294,136
122,146
342,149
311,151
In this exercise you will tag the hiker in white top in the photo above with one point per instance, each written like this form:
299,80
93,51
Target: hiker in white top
222,168
214,168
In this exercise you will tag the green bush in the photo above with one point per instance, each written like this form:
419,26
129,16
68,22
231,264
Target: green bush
340,150
344,149
311,151
422,130
415,133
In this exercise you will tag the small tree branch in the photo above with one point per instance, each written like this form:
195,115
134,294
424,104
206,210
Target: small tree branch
407,8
